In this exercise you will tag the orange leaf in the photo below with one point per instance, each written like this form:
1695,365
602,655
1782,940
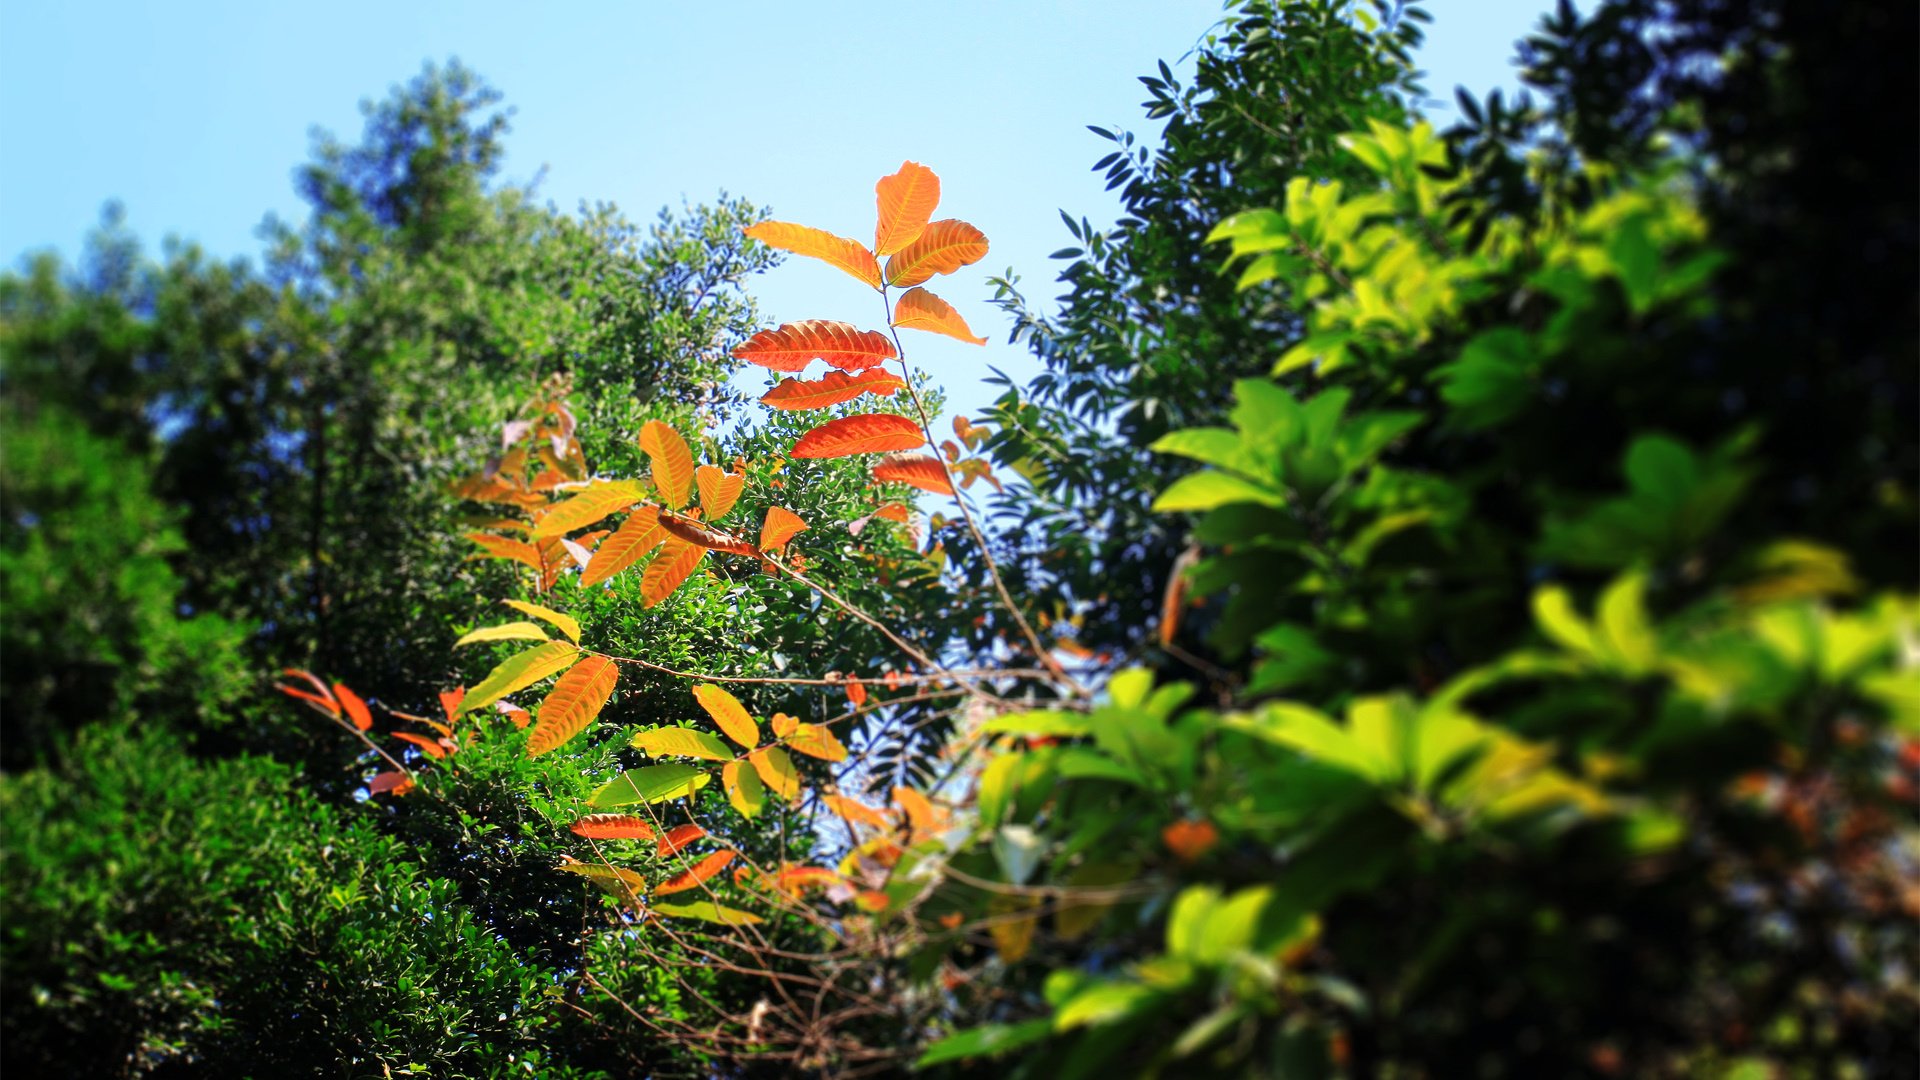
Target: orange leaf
944,247
672,462
574,701
501,547
429,747
322,702
781,526
849,255
636,536
919,810
905,201
613,827
356,709
668,570
776,771
893,512
918,309
678,837
867,433
794,345
794,879
693,878
856,811
919,470
857,692
450,702
727,712
603,498
871,900
830,389
719,490
816,741
693,532
397,783
520,717
1189,840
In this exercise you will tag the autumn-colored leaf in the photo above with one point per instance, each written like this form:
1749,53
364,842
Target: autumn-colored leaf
519,717
356,709
624,884
867,433
693,532
816,741
776,771
697,875
945,246
518,672
920,470
783,724
681,742
603,498
322,699
429,747
1012,929
566,623
390,782
674,565
918,309
639,534
743,787
553,560
1189,840
727,712
795,879
513,631
780,526
918,808
833,388
904,202
504,547
719,490
649,784
849,255
856,692
856,811
795,345
573,703
450,702
893,512
613,827
707,911
678,837
672,462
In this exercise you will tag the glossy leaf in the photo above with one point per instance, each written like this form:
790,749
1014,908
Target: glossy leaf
780,526
639,534
589,506
679,837
833,388
518,672
945,246
697,875
669,569
573,703
649,784
719,490
671,460
681,742
513,631
613,827
867,433
707,911
918,309
849,255
793,346
743,788
727,712
776,771
919,470
566,623
904,203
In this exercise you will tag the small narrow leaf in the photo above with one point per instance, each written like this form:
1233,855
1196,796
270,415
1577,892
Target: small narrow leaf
682,742
322,699
648,784
743,787
697,875
780,526
904,202
566,623
729,714
639,534
613,827
668,570
833,388
776,771
513,631
918,309
518,672
596,502
719,490
920,470
867,433
794,345
944,247
429,747
678,837
707,911
573,703
672,462
849,255
624,884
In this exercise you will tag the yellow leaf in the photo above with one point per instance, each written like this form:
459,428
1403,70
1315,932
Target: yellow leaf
566,623
513,631
918,309
589,506
673,566
816,741
729,714
639,534
743,787
518,672
849,255
672,462
776,771
944,247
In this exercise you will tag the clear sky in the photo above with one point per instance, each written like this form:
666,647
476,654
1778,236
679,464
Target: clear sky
195,113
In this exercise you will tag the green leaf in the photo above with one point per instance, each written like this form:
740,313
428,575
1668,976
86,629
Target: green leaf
650,784
1128,689
1039,723
513,631
985,1041
518,672
1623,623
707,911
1206,490
1553,610
1208,445
1103,1003
685,742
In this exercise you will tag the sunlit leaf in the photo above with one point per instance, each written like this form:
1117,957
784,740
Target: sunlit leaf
693,532
679,837
919,810
623,884
923,471
727,712
450,702
780,526
918,309
573,703
719,490
681,742
612,827
795,879
671,460
695,876
894,512
816,741
649,784
776,771
390,782
945,246
867,433
518,672
707,911
674,565
356,709
905,202
603,498
849,255
567,624
830,389
795,345
639,534
322,699
856,693
743,787
513,631
429,747
503,547
856,811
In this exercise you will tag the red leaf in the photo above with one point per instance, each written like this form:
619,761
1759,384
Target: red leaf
868,433
904,202
830,389
893,512
919,470
919,309
613,827
678,837
849,255
857,692
397,783
450,702
944,247
701,871
430,747
794,345
1189,840
356,709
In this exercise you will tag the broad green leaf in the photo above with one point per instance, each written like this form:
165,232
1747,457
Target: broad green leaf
707,911
567,624
1209,489
513,631
1039,723
988,1040
518,672
1208,445
1128,689
1103,1003
685,742
649,784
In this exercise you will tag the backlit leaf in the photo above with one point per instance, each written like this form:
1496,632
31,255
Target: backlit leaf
918,309
719,490
780,526
856,811
776,771
795,345
945,246
429,747
920,470
783,725
674,564
727,712
567,624
681,742
693,532
697,875
639,534
623,884
743,787
513,631
649,784
707,911
919,810
867,433
518,672
390,782
834,387
671,460
849,255
356,709
573,703
321,699
893,512
596,502
678,837
905,202
818,742
450,702
613,827
503,547
795,879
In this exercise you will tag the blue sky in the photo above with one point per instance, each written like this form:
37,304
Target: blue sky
194,114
